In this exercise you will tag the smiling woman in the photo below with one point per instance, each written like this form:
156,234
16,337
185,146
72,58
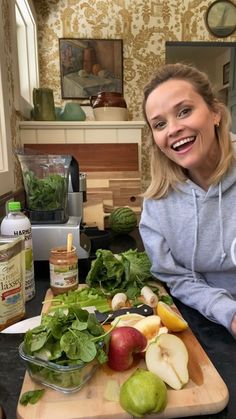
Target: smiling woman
184,223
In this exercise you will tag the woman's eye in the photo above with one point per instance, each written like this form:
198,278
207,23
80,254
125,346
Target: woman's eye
159,125
184,112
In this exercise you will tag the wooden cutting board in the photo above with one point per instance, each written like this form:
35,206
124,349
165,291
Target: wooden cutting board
205,393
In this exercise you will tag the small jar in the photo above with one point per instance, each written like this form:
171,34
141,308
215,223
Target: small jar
63,270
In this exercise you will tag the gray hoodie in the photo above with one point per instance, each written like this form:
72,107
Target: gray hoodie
190,238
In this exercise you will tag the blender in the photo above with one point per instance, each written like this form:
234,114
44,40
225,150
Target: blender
46,181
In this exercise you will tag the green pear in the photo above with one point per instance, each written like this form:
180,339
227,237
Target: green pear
142,393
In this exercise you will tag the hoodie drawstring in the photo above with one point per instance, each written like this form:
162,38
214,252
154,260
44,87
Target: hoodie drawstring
223,254
195,234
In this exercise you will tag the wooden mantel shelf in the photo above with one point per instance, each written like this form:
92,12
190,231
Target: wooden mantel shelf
80,125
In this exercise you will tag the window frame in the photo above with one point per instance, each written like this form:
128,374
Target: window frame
6,164
26,75
7,97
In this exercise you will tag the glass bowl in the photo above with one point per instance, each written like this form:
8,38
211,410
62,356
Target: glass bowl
67,379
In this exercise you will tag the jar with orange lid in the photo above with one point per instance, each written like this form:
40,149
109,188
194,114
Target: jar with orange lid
63,270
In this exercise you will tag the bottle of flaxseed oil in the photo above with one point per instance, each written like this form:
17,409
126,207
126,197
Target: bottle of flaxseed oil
15,223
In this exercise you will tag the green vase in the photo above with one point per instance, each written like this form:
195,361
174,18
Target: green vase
44,108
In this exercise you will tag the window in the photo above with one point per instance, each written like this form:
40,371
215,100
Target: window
3,144
24,69
6,172
27,53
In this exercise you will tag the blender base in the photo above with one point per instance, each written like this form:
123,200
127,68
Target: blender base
47,236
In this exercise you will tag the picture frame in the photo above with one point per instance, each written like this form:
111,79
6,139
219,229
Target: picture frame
226,73
89,66
220,18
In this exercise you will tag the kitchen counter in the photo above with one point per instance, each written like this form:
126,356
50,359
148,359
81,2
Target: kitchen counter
215,340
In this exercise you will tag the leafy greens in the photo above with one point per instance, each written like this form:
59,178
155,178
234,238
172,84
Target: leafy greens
63,337
65,347
124,272
31,396
82,297
45,194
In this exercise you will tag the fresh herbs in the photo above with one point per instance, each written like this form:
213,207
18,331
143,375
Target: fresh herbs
31,396
45,194
124,272
82,297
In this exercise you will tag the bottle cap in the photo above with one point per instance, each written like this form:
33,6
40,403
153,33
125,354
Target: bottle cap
14,206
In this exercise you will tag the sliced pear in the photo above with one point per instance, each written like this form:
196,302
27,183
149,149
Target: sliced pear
149,326
129,319
168,358
160,331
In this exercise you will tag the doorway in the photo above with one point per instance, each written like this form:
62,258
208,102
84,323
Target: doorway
214,58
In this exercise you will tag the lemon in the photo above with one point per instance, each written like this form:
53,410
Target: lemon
129,319
172,320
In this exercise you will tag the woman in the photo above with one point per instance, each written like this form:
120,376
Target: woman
188,222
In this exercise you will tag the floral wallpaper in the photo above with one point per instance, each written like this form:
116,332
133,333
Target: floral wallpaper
144,26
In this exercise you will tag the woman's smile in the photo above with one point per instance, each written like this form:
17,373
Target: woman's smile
182,145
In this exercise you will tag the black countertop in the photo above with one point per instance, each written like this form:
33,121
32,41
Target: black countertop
215,340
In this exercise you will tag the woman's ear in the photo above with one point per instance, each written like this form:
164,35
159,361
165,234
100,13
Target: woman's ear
217,118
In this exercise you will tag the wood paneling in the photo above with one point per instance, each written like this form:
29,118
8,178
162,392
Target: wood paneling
95,157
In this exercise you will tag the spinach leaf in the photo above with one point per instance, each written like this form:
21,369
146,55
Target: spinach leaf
78,345
31,396
39,341
93,326
78,325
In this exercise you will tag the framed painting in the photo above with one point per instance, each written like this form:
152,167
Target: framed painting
89,66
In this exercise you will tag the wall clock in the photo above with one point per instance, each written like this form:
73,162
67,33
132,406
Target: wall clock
221,18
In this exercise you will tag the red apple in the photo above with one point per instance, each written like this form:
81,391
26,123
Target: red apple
124,342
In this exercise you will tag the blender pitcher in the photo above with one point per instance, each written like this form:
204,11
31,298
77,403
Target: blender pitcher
45,180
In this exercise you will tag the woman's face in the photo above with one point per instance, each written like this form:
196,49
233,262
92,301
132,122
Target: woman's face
183,126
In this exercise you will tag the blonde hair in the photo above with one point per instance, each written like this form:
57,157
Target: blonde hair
165,173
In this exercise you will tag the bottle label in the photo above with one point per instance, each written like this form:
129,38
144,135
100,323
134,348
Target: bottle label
25,231
29,274
63,276
11,289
